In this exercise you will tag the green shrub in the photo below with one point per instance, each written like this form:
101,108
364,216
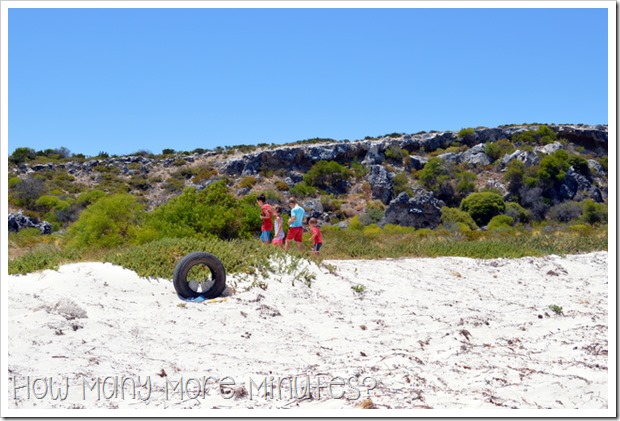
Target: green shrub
158,258
543,135
89,197
579,164
248,181
553,167
372,230
457,216
204,173
565,211
465,183
497,149
594,213
400,183
518,212
328,175
371,216
21,155
356,224
46,203
330,204
281,185
174,185
43,256
483,206
463,133
25,193
391,229
500,222
111,221
302,189
396,154
358,170
211,212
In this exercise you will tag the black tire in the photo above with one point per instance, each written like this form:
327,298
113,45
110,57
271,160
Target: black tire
183,286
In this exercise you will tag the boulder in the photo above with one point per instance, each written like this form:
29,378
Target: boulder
476,156
373,156
422,210
577,187
595,167
18,221
451,157
529,158
314,208
381,185
416,163
550,148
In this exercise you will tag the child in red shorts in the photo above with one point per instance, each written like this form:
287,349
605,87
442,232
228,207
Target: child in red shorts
316,237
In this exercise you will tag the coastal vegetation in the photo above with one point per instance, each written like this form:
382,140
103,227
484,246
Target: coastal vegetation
146,211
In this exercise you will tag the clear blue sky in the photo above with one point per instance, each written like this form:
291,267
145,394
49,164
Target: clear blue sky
123,80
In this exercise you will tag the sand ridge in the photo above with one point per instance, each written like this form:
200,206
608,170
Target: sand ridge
440,333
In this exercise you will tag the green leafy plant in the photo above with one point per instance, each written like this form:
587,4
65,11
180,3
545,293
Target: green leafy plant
501,223
328,175
457,216
111,221
358,288
483,206
556,309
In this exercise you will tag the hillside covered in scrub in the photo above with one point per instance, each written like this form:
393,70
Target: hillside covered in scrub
505,179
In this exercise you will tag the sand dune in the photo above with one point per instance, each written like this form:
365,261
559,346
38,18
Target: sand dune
445,333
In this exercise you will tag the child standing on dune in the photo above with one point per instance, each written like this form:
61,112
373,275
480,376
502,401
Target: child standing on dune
278,238
266,213
316,237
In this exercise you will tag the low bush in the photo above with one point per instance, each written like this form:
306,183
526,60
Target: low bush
329,176
158,258
594,213
211,212
111,221
500,222
565,211
517,212
457,216
483,206
248,181
302,189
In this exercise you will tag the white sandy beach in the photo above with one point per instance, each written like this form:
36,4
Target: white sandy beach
444,333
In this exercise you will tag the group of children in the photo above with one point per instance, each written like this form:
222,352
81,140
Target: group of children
272,220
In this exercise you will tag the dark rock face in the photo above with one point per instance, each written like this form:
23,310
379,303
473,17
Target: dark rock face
591,137
373,156
475,156
314,209
381,185
416,162
17,222
529,158
577,187
423,210
301,157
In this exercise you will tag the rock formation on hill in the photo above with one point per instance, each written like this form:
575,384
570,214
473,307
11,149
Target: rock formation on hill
383,160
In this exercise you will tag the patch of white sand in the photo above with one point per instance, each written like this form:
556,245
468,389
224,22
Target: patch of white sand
444,333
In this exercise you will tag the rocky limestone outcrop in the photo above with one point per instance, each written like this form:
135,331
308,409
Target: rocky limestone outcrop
18,221
578,187
529,158
369,152
422,210
381,185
